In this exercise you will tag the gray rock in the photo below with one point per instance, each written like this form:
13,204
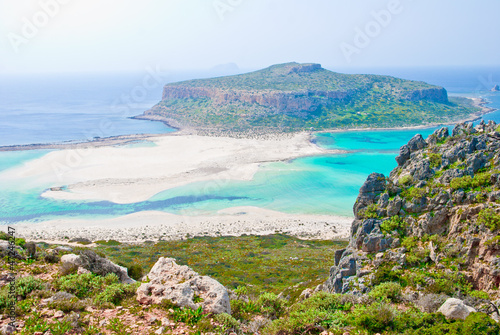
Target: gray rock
437,224
94,263
6,249
476,162
416,143
464,128
61,296
383,201
64,248
370,191
7,330
376,242
455,309
338,256
438,135
404,155
180,285
394,206
421,170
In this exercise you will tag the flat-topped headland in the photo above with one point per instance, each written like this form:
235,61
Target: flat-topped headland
295,97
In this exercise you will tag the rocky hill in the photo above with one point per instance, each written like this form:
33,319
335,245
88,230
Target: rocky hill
432,225
292,96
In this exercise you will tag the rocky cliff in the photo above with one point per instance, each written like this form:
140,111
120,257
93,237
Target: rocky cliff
433,223
296,96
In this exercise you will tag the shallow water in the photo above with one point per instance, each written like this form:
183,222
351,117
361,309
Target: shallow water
316,185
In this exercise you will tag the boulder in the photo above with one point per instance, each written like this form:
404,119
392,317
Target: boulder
5,250
404,155
94,263
438,135
64,248
495,88
7,330
182,286
455,309
370,191
464,128
416,143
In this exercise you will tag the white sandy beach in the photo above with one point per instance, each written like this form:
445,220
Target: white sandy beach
124,174
152,226
132,174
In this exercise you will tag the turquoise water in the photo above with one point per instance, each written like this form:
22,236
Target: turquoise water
321,185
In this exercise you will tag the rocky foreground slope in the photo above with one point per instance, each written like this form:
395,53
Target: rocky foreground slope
293,97
433,223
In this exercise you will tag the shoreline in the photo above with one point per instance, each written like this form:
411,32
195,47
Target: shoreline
126,175
154,226
121,140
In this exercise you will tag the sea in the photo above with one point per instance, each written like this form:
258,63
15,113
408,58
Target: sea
79,107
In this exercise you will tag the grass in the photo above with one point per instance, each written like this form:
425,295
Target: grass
264,263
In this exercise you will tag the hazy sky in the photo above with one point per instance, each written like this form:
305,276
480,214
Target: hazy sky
116,35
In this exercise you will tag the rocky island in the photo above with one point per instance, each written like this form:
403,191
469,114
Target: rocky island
295,97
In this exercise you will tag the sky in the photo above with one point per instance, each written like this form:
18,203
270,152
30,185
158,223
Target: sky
43,36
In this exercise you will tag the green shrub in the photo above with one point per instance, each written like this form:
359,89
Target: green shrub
4,236
83,285
188,315
52,258
118,327
435,160
479,324
377,317
405,180
115,293
467,182
228,322
389,290
68,305
493,241
384,274
61,327
410,242
489,218
30,248
369,212
321,309
479,294
414,193
394,223
461,183
22,243
271,306
243,310
311,321
135,271
108,243
26,285
4,298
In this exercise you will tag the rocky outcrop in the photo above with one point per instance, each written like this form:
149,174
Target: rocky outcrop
94,263
7,250
183,287
495,88
431,94
444,186
369,192
455,309
275,101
